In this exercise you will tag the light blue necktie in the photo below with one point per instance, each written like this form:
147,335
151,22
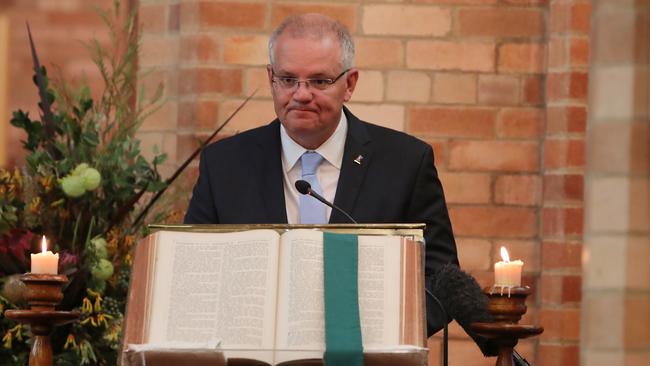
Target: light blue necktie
312,211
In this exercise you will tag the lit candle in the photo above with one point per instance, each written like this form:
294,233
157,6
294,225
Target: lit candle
46,261
507,273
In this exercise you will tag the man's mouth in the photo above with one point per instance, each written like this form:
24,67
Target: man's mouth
302,109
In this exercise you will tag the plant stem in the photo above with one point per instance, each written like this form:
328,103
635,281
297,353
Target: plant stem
74,233
90,229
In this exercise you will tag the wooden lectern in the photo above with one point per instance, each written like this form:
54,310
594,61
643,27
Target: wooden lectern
252,295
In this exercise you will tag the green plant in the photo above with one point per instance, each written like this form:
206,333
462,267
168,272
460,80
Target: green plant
84,182
89,189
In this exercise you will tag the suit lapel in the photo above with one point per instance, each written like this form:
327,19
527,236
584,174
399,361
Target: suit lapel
271,177
356,160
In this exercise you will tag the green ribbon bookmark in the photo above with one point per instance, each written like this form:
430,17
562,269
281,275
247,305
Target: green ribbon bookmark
342,323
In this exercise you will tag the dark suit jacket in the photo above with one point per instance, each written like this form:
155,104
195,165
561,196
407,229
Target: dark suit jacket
241,182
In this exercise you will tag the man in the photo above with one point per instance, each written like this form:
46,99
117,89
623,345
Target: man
375,174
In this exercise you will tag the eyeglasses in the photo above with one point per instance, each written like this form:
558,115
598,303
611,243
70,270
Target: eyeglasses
288,83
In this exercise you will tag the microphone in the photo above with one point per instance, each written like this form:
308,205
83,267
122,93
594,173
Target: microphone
305,188
461,298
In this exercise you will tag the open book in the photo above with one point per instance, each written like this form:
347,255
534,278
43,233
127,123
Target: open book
257,291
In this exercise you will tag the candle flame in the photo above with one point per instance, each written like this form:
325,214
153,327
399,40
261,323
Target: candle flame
44,244
504,255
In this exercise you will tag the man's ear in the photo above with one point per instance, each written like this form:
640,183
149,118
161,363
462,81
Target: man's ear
351,83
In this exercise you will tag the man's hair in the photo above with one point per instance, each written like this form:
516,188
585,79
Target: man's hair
315,26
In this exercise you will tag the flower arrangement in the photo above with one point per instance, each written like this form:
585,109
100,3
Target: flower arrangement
87,187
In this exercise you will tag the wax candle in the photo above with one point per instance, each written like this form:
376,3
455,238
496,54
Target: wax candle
45,262
507,273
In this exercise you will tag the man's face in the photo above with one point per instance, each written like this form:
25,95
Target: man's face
309,115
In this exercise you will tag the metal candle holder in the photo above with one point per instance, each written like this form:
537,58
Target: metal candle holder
43,294
507,305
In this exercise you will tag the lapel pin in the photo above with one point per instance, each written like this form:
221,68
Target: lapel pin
358,159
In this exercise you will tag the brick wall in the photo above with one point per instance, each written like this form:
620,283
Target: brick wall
58,28
497,87
563,165
616,305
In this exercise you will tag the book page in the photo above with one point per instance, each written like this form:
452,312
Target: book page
300,297
215,287
379,290
300,300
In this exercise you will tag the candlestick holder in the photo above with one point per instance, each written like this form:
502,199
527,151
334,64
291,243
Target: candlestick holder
42,295
507,305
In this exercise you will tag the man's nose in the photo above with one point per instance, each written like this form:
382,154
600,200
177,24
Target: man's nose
302,92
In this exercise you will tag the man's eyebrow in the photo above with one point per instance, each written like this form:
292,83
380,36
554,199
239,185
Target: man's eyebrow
318,75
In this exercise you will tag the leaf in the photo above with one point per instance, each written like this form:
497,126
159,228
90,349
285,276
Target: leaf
87,104
60,146
156,186
45,96
90,138
34,129
20,119
159,159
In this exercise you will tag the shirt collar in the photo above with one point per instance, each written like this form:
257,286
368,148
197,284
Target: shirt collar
331,150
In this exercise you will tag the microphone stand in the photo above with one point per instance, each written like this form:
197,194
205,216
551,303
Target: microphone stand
304,187
445,332
332,205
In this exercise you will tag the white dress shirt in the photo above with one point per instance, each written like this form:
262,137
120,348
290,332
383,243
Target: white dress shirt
328,171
